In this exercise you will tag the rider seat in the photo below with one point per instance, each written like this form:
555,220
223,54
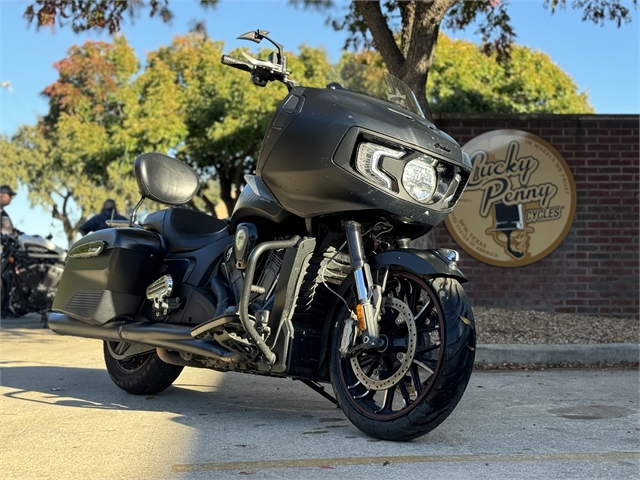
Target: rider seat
185,230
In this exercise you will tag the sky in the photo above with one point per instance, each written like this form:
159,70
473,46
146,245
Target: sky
602,60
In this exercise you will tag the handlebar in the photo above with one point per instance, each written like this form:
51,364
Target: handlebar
237,63
262,72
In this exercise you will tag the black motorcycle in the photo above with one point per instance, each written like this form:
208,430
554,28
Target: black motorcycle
311,278
31,268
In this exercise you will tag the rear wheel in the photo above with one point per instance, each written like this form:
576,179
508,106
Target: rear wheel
411,385
143,374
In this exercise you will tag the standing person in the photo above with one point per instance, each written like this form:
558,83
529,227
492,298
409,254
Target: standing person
99,221
6,227
6,195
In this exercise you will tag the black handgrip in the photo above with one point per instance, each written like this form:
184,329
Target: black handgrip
237,63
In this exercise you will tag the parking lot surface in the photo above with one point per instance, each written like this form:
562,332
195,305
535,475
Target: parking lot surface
62,417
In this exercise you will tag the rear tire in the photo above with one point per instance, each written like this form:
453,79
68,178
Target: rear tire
438,370
143,374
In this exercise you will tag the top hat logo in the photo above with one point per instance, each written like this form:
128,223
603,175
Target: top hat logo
508,217
519,201
510,231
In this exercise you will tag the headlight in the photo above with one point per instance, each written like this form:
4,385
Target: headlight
419,179
368,160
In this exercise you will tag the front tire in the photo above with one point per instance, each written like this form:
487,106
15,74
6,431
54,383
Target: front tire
142,374
428,362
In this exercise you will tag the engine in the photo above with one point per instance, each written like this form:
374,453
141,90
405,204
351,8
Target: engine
37,287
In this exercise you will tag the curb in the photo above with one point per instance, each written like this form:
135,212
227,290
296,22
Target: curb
588,354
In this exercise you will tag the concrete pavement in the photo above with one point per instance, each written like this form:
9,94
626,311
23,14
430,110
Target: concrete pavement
62,417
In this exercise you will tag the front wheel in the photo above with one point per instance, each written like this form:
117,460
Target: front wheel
144,374
410,386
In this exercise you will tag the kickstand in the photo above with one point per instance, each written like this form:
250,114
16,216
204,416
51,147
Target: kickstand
320,389
44,321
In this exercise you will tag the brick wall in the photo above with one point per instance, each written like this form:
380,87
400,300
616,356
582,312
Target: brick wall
595,269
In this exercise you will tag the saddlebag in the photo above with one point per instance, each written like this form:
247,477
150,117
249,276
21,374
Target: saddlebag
107,273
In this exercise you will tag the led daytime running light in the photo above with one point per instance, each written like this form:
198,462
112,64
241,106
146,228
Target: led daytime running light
368,161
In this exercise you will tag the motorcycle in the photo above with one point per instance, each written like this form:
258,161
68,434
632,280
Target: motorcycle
312,277
31,268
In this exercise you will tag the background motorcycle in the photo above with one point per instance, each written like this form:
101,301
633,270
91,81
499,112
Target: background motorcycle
31,268
311,278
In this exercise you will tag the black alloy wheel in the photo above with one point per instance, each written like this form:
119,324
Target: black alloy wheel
144,374
399,392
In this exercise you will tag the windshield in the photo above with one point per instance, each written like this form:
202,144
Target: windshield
401,95
377,83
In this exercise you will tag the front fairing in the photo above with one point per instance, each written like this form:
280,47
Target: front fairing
308,155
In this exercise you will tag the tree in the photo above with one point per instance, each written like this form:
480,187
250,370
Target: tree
100,14
527,82
104,111
28,156
465,80
219,118
7,150
68,161
78,154
404,32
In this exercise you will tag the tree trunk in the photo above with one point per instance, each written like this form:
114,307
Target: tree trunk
411,61
225,191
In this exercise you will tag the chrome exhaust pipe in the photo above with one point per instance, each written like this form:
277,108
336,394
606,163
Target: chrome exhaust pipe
160,335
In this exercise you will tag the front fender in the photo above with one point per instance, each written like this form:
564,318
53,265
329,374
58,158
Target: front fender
432,263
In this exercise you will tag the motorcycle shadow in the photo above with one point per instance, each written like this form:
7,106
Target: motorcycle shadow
15,326
198,397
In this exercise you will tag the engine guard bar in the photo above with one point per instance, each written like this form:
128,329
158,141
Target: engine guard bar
243,307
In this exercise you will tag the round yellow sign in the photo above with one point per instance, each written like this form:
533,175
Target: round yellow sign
519,202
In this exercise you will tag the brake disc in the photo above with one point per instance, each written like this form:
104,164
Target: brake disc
404,316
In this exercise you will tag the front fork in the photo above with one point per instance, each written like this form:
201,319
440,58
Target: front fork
369,294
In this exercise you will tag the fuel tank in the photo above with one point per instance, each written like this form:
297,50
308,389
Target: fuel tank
38,247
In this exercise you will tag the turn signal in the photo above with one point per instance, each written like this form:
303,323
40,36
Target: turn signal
11,259
362,325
